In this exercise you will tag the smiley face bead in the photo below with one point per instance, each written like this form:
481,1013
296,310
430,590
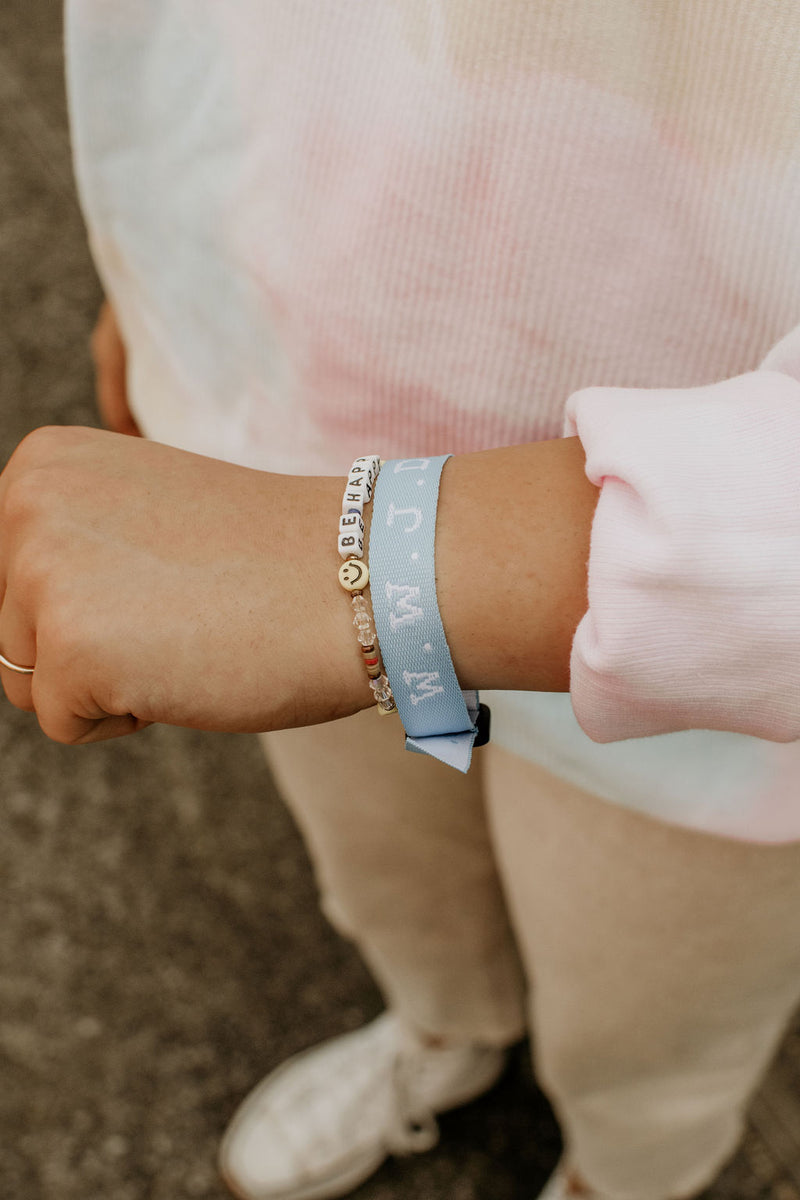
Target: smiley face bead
354,575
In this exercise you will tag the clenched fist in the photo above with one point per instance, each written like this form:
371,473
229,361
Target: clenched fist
147,584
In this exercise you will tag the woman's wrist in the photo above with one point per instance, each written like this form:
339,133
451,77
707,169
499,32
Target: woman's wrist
512,549
512,553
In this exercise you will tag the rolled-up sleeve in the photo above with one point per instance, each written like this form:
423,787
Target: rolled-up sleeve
694,572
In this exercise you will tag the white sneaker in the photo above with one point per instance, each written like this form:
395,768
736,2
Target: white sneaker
323,1122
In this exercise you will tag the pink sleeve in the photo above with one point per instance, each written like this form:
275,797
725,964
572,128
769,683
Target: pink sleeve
694,569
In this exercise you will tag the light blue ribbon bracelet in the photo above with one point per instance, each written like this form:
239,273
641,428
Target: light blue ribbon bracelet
439,718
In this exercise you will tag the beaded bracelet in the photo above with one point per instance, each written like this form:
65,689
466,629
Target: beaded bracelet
354,573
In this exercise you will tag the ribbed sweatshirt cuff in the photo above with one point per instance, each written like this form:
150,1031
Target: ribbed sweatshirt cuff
694,570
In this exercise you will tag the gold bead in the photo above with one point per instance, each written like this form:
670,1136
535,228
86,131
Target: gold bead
354,575
386,712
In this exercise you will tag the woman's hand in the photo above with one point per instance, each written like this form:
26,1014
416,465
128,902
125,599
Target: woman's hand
147,584
110,366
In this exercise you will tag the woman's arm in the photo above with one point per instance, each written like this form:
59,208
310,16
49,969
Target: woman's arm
148,584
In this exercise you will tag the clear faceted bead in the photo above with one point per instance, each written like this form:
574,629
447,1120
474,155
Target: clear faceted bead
381,689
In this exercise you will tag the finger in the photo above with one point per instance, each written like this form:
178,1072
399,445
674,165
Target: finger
112,401
111,384
113,727
65,727
112,394
68,714
106,342
17,646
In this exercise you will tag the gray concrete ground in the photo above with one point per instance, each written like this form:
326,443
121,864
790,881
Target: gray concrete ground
160,945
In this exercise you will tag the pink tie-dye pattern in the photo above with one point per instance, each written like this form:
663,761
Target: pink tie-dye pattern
447,267
372,251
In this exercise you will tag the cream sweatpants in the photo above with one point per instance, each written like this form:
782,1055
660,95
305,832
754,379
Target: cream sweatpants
655,968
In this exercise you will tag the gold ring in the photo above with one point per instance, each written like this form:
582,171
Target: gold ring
14,667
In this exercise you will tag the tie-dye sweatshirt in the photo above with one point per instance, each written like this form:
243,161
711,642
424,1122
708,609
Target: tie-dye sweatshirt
442,225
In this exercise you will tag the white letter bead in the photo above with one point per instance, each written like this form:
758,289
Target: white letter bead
371,462
352,523
351,544
352,500
361,483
